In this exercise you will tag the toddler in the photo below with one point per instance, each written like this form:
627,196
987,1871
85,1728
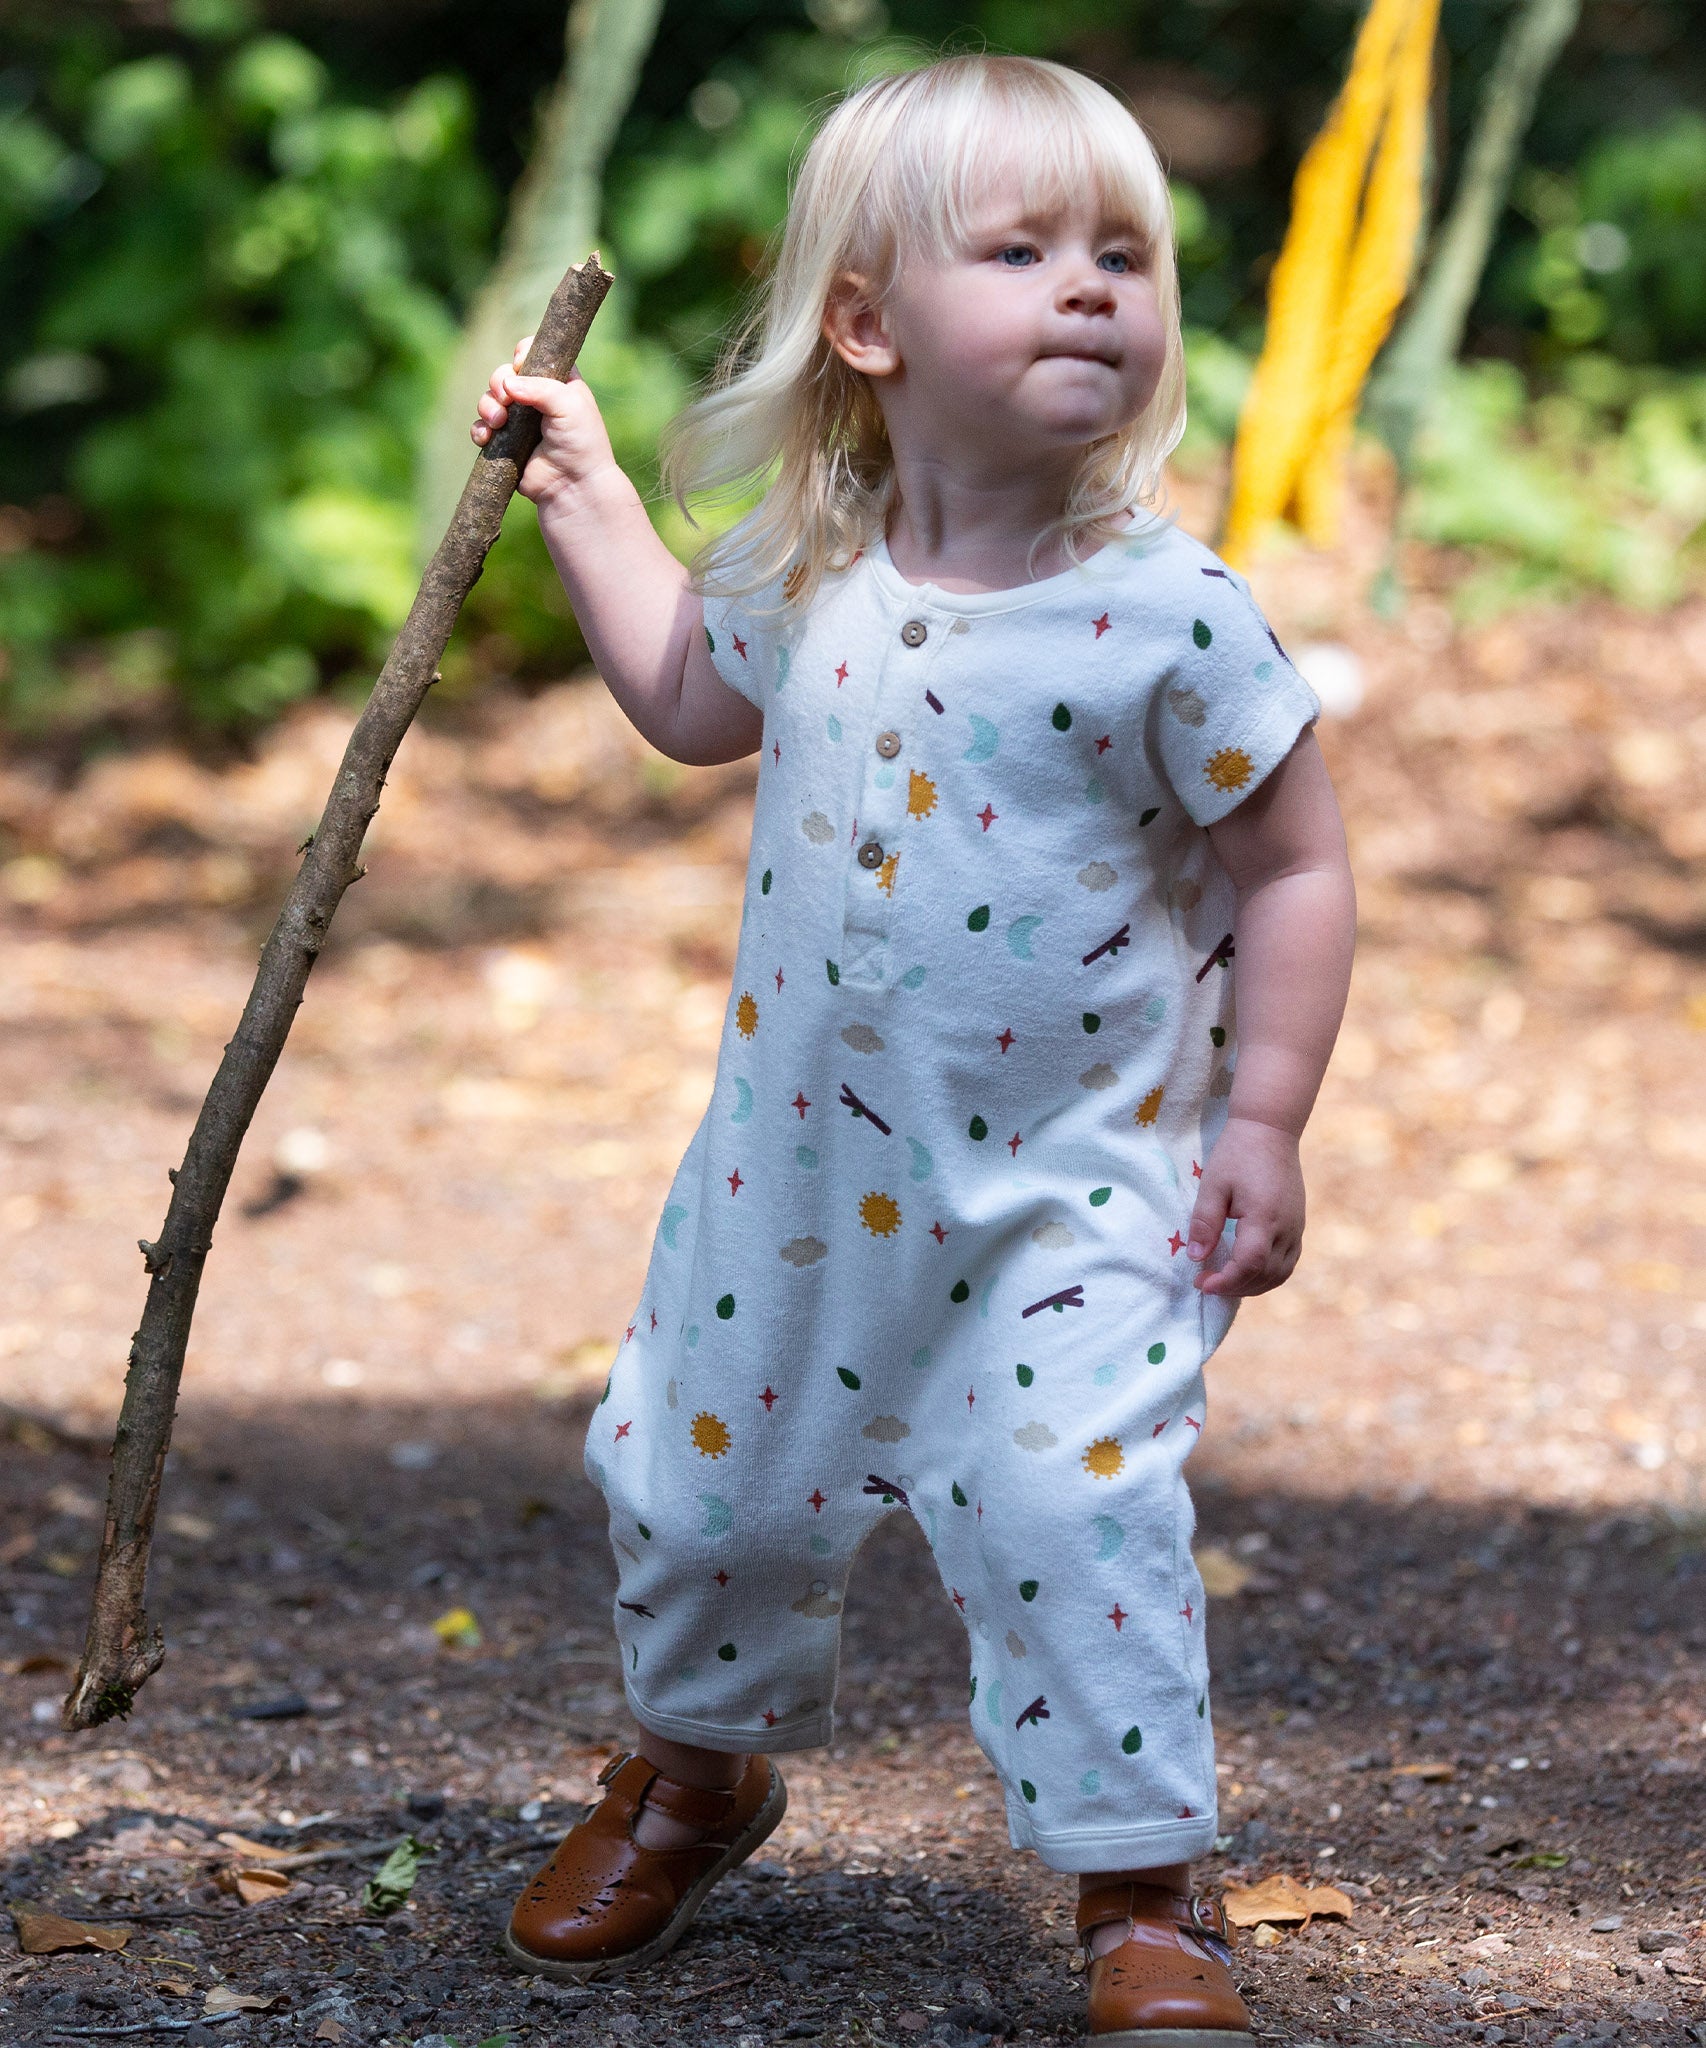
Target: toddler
1037,793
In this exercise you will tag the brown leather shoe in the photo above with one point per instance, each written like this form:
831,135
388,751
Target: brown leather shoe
606,1902
1167,1985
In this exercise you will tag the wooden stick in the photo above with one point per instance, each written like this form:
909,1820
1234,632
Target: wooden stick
122,1650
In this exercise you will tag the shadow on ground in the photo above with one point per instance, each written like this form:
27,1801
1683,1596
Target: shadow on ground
1540,1667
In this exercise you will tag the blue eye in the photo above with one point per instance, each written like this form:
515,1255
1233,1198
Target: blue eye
1017,249
1119,261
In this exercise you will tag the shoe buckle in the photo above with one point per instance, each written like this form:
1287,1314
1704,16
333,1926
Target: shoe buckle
615,1764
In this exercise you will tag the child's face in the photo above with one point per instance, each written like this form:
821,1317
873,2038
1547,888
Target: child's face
1043,335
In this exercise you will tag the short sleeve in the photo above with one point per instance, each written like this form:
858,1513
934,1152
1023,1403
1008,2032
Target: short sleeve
744,636
1231,703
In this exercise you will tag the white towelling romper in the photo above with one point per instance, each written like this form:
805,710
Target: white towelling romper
925,1251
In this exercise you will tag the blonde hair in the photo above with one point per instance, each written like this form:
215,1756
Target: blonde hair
897,171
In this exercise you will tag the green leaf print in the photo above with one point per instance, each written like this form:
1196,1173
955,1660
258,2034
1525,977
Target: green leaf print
959,1494
727,1652
1149,816
979,919
1060,718
1024,1374
847,1379
1092,1022
960,1291
977,1129
644,1531
1217,1034
972,1695
1132,1741
1200,633
726,1307
709,642
1099,1196
764,883
1029,1790
1156,1353
1028,1589
834,973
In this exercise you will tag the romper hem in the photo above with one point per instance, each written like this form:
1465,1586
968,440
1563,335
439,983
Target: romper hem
813,1733
1142,1847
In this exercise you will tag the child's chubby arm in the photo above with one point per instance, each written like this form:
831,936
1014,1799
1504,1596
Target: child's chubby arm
643,623
1295,928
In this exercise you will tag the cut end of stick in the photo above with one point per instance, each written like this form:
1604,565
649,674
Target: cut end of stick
105,1688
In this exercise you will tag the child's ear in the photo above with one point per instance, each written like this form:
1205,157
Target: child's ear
856,327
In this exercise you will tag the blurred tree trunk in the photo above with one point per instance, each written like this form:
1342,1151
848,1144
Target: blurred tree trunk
1415,362
553,219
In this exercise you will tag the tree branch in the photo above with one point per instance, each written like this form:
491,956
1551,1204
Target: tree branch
122,1650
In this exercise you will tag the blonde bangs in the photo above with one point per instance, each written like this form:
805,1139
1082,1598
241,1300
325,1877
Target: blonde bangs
901,169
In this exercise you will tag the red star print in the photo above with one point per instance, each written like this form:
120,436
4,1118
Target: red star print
654,1318
1192,1423
1104,743
987,816
778,981
1101,625
622,1429
1184,1813
1013,1144
1188,1611
980,1511
769,1718
801,1102
627,1333
959,1599
776,751
1006,1038
817,1498
938,1233
1175,1244
1156,1431
971,1398
722,1578
1196,1171
740,646
1118,1617
841,675
769,1398
735,1182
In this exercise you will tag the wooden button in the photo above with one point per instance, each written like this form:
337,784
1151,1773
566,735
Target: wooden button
871,854
888,744
915,632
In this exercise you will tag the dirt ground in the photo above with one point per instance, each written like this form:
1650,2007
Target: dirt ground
1450,1491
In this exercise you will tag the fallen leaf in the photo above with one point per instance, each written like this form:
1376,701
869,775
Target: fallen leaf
1224,1576
1283,1899
390,1885
1435,1773
223,1999
254,1852
174,1986
328,2030
458,1629
42,1933
255,1885
1267,1935
41,1660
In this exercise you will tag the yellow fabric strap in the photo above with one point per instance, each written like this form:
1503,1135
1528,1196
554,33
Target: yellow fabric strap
1337,282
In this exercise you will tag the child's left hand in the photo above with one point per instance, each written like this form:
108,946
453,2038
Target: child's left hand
1252,1174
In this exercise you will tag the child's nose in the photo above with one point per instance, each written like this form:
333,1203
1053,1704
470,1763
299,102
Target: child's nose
1089,290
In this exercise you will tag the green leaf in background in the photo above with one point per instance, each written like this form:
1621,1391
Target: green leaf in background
390,1885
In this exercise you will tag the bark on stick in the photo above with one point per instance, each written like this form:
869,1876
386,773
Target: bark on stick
123,1649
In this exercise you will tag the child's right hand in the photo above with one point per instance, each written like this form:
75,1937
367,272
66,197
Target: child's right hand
573,446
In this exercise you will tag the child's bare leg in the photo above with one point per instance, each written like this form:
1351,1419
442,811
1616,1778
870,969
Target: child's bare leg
711,1769
1171,1877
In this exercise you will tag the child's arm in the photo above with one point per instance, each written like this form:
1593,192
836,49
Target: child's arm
1295,927
644,626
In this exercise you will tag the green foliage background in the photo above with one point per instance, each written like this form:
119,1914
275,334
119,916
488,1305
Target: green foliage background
235,243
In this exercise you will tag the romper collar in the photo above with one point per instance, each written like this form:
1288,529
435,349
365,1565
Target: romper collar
969,603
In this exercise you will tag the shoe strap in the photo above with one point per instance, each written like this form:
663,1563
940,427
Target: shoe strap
1151,1902
636,1780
